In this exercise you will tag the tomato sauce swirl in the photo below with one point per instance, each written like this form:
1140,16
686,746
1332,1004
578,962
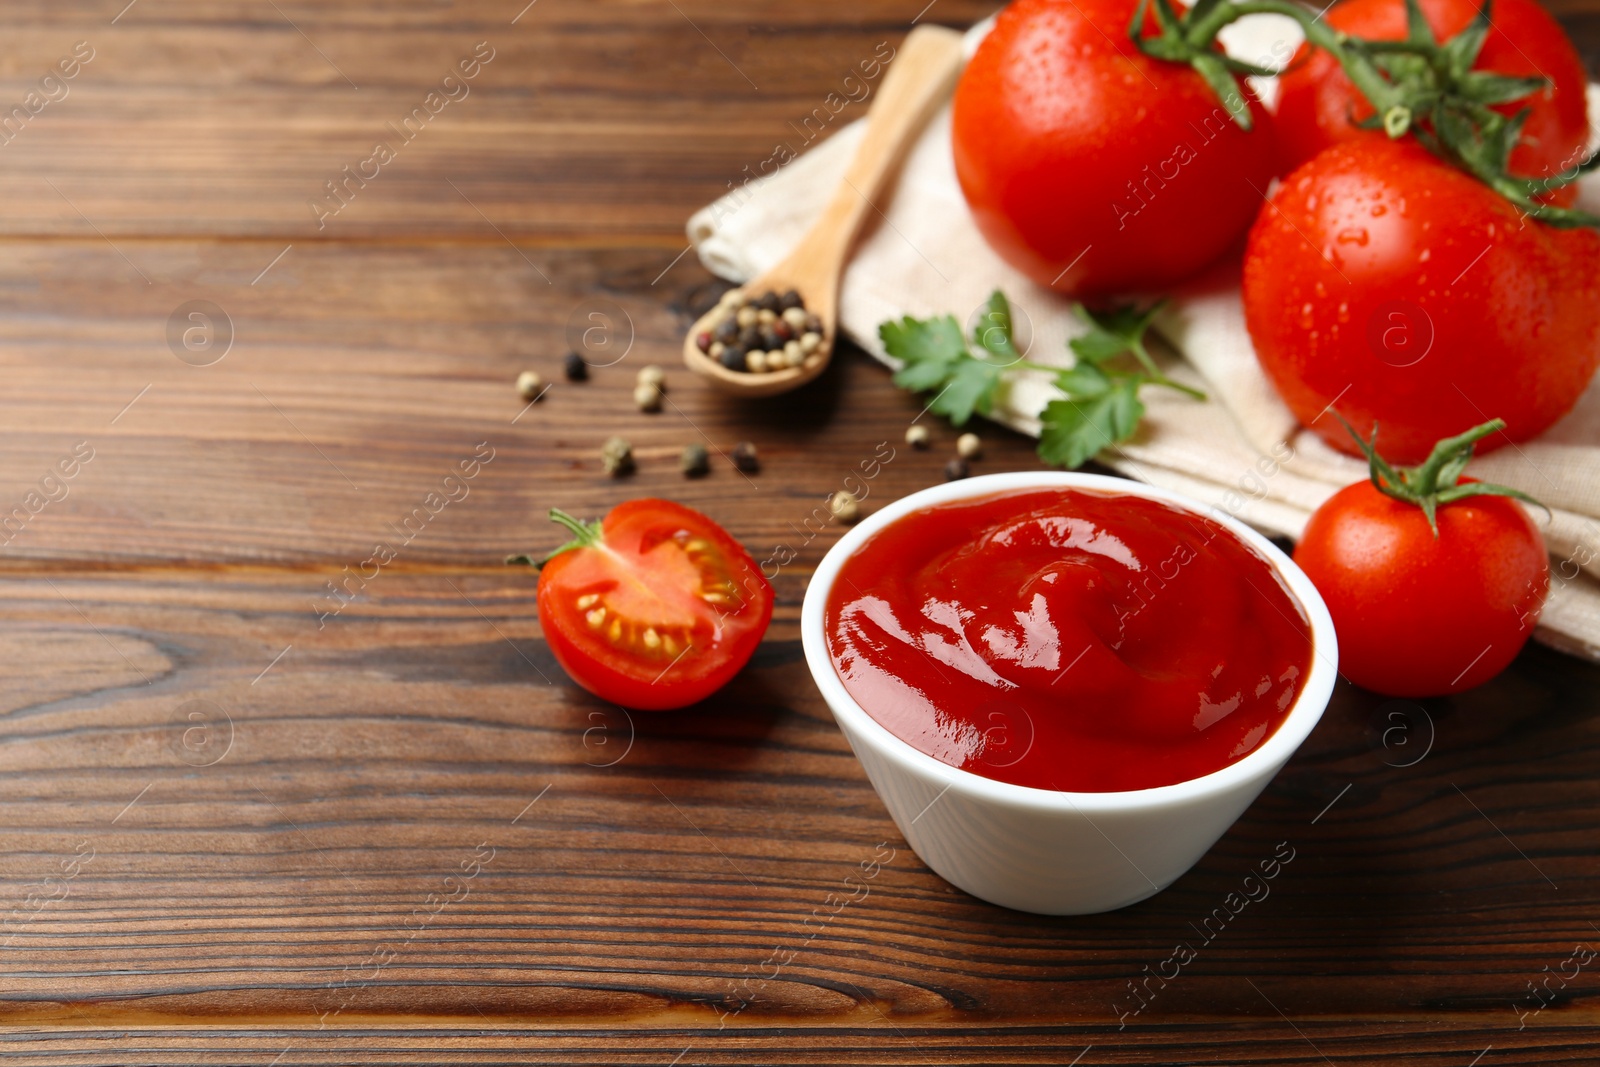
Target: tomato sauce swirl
1068,639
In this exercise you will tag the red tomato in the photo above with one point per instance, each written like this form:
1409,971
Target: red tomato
1419,615
1317,104
655,607
1417,299
1093,168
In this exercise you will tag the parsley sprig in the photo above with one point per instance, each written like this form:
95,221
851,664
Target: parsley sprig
1099,405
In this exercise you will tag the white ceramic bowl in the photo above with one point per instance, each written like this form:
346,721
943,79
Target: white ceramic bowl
1048,851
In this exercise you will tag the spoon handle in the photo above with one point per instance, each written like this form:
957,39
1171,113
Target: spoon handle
919,79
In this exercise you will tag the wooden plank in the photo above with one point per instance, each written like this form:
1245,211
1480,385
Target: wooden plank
227,818
243,817
360,377
212,119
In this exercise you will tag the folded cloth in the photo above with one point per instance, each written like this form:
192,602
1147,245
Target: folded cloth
1241,450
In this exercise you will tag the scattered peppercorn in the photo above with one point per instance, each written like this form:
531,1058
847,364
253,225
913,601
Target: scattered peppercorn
918,436
653,375
968,446
694,462
647,397
844,507
577,367
616,456
956,470
530,385
745,458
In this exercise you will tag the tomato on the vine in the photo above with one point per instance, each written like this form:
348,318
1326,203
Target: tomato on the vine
1093,168
1418,300
654,607
1434,584
1318,107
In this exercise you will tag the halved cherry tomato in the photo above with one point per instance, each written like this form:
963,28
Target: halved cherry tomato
654,607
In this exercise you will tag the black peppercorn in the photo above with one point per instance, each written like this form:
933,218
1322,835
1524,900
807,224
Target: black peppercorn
956,470
733,357
745,458
576,369
770,339
694,461
767,301
791,299
727,330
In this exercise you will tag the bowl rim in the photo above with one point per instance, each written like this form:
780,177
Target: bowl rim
1264,761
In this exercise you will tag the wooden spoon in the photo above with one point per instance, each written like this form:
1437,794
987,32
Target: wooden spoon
919,78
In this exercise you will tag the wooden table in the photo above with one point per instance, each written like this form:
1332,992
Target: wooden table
240,826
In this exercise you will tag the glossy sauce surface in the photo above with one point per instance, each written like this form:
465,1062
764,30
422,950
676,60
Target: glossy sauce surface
1068,639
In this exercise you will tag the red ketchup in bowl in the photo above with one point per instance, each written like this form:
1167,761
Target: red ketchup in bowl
1068,639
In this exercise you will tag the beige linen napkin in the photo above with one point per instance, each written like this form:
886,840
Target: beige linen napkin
1242,450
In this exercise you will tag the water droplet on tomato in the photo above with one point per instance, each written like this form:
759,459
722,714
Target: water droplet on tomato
1356,235
1427,254
1378,210
1344,311
1306,310
1322,290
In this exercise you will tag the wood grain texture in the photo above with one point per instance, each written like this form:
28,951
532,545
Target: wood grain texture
238,828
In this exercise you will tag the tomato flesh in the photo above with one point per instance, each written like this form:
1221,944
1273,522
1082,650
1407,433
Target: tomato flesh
660,613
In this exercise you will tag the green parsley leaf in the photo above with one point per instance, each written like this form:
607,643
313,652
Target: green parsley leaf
1083,381
1073,430
970,388
1100,403
993,331
1113,332
926,347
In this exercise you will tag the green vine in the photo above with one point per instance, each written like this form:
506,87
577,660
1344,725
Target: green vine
1418,85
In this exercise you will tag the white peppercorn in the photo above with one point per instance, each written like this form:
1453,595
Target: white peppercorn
654,375
844,507
647,397
918,436
968,446
529,385
616,456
